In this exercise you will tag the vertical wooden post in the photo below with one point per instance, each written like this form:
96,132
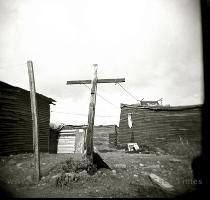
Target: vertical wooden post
91,116
34,120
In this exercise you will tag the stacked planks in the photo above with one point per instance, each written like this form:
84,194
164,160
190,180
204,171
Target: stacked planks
16,120
159,126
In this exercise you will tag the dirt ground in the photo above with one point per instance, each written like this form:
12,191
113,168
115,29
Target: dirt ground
128,177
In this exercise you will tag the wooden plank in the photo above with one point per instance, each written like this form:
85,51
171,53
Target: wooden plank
66,146
66,142
114,80
161,182
78,82
67,139
68,131
65,152
67,135
34,119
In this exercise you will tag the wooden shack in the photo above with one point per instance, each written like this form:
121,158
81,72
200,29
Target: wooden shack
160,126
16,120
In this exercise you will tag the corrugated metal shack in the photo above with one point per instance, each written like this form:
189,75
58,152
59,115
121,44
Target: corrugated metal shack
71,139
16,120
159,126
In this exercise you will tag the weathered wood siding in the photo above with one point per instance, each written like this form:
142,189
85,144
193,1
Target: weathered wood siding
53,141
104,136
16,120
113,136
159,126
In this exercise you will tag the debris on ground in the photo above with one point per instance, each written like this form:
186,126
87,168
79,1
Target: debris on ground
29,179
174,160
133,147
144,173
19,164
56,176
120,166
152,167
11,162
161,182
114,172
83,174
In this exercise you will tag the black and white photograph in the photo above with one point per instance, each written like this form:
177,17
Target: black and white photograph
101,98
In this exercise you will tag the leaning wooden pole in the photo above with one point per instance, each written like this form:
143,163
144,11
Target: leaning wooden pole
34,120
91,117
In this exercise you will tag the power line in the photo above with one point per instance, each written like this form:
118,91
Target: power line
85,115
103,98
69,113
127,91
12,66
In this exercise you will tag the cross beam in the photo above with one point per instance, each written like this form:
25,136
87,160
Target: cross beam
115,80
91,114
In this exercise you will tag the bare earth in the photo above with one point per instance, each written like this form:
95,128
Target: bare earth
128,177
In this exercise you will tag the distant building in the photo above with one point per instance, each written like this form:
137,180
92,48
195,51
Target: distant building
16,120
149,103
160,126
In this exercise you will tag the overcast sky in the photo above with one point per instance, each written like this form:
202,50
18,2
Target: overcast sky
154,44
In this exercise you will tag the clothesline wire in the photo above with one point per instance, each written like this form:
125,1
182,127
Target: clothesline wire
85,115
103,97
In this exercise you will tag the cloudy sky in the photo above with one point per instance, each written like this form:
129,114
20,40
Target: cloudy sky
154,44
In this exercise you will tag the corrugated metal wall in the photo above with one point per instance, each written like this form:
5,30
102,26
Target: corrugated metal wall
66,141
16,120
159,126
71,139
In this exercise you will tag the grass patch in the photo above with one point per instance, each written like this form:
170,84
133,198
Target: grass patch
74,170
188,150
75,166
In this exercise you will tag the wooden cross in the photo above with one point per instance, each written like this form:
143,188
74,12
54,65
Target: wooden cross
91,114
